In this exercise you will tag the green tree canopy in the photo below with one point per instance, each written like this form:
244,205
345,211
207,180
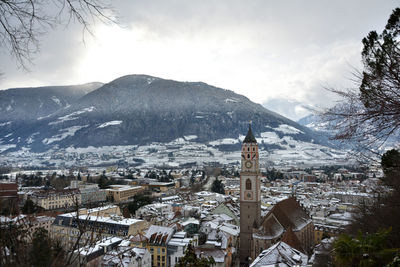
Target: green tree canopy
364,250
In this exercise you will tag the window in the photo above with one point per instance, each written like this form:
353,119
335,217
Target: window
248,184
248,156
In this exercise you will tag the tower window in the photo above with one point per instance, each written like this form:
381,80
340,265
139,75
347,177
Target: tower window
248,156
248,184
248,149
254,148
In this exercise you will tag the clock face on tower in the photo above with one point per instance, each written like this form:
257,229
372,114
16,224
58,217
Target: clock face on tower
248,195
248,164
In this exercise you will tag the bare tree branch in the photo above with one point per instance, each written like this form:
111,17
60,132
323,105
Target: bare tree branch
23,22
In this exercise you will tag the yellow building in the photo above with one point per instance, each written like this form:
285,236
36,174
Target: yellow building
123,193
158,238
56,199
322,231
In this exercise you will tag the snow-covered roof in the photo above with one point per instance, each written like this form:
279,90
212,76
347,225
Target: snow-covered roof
282,254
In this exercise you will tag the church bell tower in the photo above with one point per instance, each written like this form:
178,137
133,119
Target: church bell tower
250,195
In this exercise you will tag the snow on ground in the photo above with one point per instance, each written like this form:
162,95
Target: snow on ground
225,141
269,138
56,100
30,139
287,129
109,123
181,151
5,147
174,154
5,123
318,126
101,149
150,80
71,116
190,137
41,118
231,100
66,132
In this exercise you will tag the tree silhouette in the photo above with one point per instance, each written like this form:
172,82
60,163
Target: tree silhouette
370,115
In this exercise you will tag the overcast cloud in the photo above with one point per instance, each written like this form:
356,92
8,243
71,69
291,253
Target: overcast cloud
274,52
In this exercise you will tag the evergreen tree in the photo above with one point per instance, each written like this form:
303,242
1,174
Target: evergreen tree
217,186
41,252
29,207
103,182
390,163
138,201
191,260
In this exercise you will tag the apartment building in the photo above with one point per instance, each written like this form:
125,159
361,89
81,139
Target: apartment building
56,199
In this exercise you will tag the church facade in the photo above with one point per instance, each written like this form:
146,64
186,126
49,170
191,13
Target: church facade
287,221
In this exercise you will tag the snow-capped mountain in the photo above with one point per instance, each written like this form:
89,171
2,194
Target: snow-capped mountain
313,122
143,110
27,104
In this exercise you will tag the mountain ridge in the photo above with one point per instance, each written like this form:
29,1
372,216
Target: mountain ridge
141,109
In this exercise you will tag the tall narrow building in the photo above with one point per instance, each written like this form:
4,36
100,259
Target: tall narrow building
250,195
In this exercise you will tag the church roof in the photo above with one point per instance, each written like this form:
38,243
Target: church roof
270,229
290,238
250,137
290,214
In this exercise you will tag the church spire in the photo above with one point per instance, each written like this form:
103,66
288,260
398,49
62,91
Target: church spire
250,137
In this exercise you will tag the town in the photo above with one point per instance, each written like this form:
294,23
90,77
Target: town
199,133
148,217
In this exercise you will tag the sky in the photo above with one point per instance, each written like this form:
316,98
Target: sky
281,54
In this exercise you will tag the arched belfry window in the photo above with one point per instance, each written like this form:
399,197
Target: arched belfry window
248,184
